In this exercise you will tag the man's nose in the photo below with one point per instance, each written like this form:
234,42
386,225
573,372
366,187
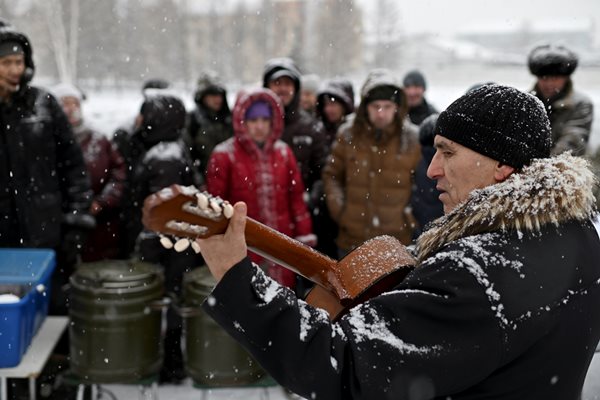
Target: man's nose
434,171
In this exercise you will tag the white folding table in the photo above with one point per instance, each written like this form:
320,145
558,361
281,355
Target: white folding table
35,357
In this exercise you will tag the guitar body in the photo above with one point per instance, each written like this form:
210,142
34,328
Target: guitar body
375,267
369,270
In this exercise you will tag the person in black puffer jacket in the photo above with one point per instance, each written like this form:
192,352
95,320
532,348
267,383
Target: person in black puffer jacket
335,106
418,107
45,193
302,132
210,123
165,161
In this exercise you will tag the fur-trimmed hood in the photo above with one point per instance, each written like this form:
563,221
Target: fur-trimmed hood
549,191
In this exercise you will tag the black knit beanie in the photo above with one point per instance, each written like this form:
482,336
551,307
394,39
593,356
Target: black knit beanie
9,48
499,122
384,92
414,78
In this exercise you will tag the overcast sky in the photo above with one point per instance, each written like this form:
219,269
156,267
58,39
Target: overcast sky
450,16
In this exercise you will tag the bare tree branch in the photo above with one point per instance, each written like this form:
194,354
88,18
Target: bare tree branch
58,38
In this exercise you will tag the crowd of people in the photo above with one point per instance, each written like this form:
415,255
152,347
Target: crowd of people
331,172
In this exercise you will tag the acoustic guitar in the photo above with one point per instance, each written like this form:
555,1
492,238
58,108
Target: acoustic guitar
376,266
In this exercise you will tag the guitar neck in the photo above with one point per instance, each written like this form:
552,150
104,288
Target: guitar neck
290,253
370,269
173,211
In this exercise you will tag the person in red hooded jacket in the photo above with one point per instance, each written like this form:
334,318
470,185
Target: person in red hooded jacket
256,167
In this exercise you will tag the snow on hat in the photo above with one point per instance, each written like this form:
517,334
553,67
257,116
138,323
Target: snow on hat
414,78
552,60
67,90
500,122
258,109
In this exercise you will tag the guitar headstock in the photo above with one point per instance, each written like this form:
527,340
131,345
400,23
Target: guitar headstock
186,214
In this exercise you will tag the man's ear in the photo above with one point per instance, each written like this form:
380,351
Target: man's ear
502,171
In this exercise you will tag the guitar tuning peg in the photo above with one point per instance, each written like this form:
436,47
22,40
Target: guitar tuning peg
181,245
215,206
227,210
166,242
195,247
202,200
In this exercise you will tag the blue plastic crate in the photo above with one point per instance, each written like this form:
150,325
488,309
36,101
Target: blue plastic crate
26,273
15,326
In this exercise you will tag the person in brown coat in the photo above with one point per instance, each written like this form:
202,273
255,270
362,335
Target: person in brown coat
368,177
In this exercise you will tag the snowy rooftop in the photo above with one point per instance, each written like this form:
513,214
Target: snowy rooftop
534,26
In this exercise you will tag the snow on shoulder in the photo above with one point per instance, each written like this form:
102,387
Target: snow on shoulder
366,325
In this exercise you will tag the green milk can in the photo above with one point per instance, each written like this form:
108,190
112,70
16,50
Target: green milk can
116,313
211,357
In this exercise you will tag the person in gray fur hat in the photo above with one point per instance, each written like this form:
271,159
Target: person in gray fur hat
571,112
502,302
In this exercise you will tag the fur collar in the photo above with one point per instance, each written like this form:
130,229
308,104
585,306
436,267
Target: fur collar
549,191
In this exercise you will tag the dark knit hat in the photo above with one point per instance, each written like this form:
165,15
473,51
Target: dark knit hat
414,78
10,48
552,60
8,38
384,92
499,122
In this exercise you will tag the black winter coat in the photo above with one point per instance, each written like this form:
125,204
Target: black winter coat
424,200
166,159
303,133
502,305
419,113
206,128
43,180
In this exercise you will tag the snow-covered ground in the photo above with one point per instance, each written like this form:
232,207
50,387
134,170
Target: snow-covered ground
591,389
187,391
